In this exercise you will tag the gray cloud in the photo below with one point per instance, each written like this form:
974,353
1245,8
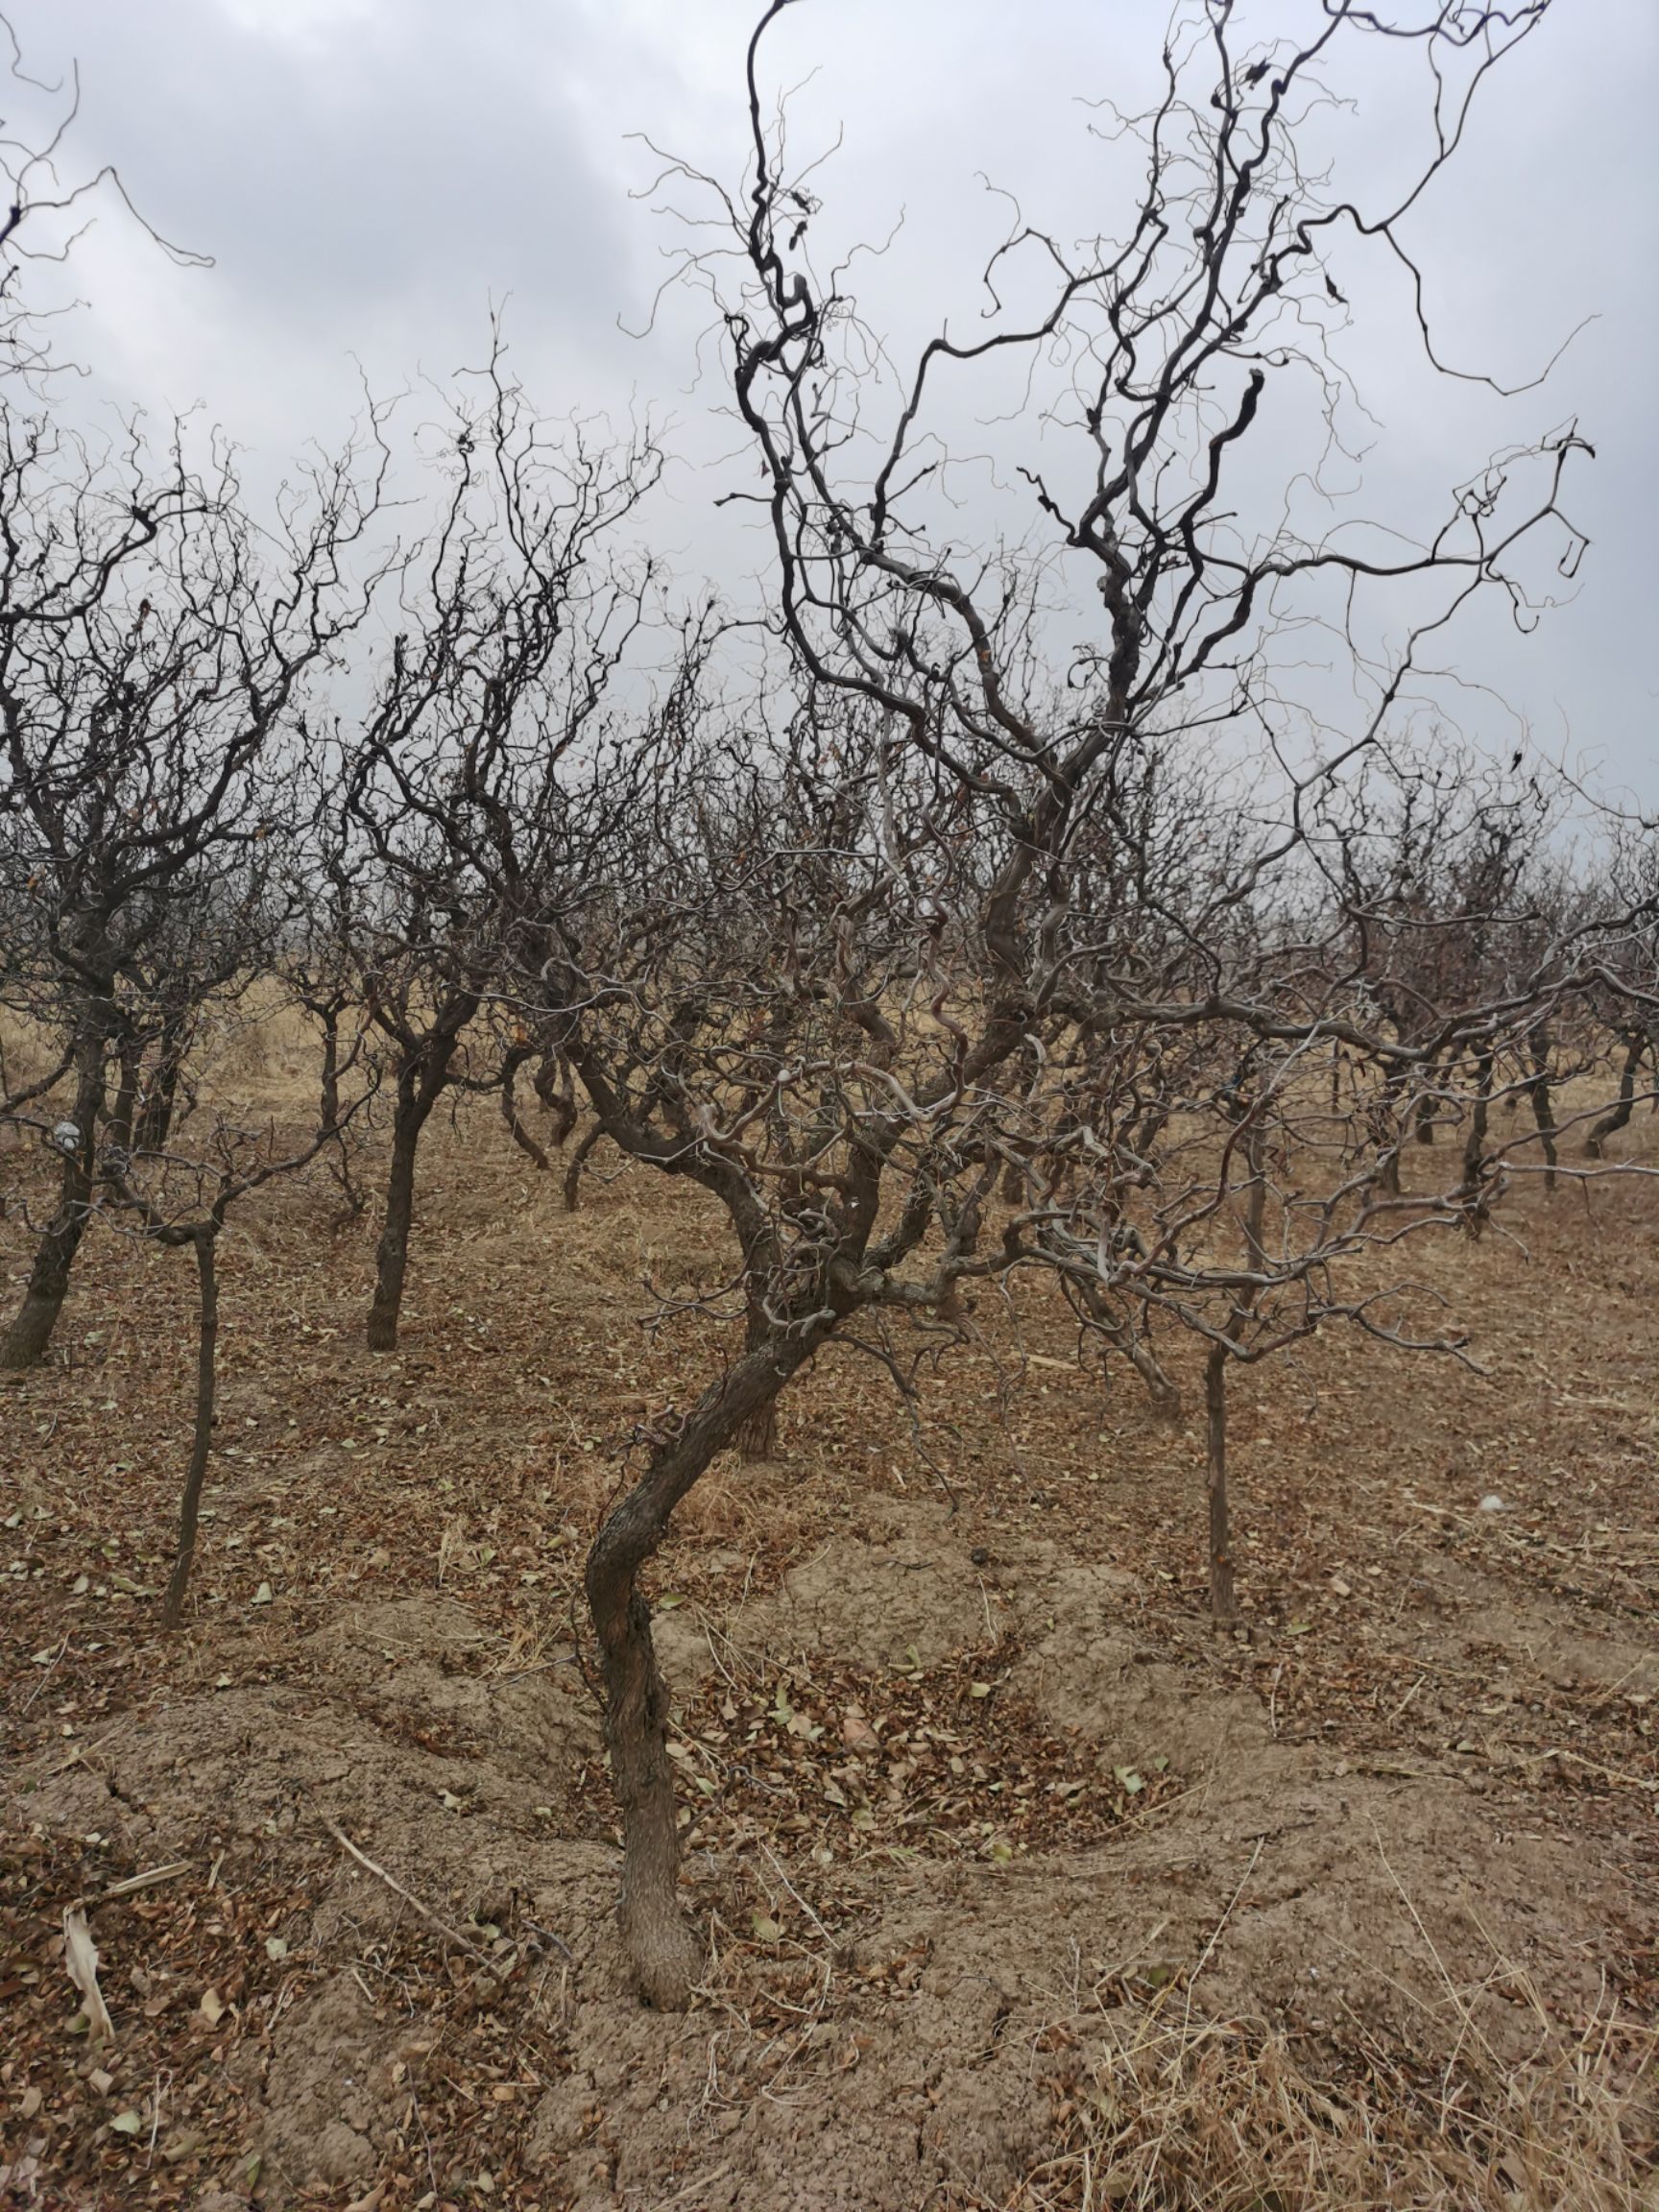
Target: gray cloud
369,173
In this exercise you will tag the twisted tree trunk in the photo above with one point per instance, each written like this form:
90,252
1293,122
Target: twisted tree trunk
160,1104
1543,1105
1611,1122
662,1953
1472,1191
420,1083
391,1254
328,1092
756,1436
203,1241
516,1129
31,1331
578,1161
1223,1599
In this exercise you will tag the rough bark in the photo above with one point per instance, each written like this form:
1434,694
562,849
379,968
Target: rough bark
756,1436
1162,1393
1543,1105
160,1104
124,1107
391,1254
1223,1598
663,1954
1223,1602
203,1241
554,1087
328,1095
578,1161
31,1330
1472,1190
422,1076
515,1128
1612,1121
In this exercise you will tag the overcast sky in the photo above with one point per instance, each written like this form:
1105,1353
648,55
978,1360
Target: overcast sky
369,175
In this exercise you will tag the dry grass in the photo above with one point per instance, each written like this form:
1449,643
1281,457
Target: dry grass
1402,1642
1174,2115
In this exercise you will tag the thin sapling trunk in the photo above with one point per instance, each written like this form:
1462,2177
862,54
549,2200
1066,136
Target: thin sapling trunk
1223,1600
204,1240
1543,1105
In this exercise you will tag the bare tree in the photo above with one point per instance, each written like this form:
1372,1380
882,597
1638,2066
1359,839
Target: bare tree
183,1200
821,1014
471,782
1623,997
43,209
154,649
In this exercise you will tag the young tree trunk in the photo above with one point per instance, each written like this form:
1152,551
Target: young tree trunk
1612,1121
204,1240
155,1120
515,1128
578,1161
392,1255
124,1107
663,1955
1223,1603
31,1331
329,1099
1472,1188
1542,1106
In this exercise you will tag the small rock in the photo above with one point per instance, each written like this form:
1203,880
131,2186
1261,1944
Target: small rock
1492,1503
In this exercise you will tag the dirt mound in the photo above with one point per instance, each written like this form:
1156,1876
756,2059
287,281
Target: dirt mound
414,1660
885,2027
1088,1674
871,2102
1018,1887
456,1784
922,2061
389,1706
908,1591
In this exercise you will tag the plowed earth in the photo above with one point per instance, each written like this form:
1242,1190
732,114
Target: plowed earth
976,1804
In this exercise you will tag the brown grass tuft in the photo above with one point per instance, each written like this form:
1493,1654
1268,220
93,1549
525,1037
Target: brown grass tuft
1185,2116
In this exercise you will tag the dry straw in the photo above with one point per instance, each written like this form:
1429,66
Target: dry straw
1175,2115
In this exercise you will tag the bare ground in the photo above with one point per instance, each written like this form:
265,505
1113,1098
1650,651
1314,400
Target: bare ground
1022,1888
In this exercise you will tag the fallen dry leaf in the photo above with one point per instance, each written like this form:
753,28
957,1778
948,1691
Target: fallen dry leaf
80,1957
